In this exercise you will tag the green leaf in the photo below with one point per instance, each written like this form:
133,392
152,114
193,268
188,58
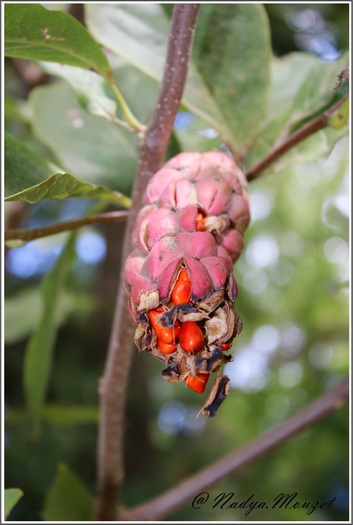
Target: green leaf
139,34
11,498
17,110
68,499
302,85
39,351
23,167
315,147
195,135
92,148
34,33
317,90
89,87
23,311
233,53
129,79
59,415
231,93
65,186
136,32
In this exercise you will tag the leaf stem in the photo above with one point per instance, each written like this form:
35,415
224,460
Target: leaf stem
30,234
301,134
234,463
132,121
153,146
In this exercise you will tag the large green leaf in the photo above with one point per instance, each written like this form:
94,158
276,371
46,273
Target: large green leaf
194,134
233,53
33,32
17,110
312,149
132,84
139,34
23,310
11,498
136,32
90,88
302,85
39,352
90,147
227,85
68,499
317,90
59,415
24,169
65,186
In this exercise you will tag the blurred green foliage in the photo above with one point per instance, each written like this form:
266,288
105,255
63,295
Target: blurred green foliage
293,300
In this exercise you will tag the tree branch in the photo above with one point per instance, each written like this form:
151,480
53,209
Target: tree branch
153,147
234,463
30,234
301,134
15,213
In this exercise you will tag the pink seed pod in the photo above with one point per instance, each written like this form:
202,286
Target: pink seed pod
187,237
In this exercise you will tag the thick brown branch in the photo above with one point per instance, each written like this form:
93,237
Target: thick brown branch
152,151
301,134
178,56
154,145
234,463
30,234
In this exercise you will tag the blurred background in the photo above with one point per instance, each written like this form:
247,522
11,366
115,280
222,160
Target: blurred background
293,299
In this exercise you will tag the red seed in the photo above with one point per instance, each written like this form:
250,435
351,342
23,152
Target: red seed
166,348
182,289
226,346
167,335
191,337
200,223
153,315
197,383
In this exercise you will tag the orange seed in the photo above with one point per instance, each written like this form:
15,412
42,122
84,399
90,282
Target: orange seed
197,383
191,336
182,289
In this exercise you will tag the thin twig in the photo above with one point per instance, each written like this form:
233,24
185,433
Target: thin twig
232,464
344,74
15,213
123,124
153,147
301,134
29,234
